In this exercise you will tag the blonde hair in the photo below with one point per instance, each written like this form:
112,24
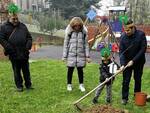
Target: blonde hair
76,21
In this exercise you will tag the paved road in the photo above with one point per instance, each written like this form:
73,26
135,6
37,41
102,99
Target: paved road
55,52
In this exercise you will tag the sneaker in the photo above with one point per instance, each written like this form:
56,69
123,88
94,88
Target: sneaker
81,87
124,101
148,98
69,87
20,89
95,101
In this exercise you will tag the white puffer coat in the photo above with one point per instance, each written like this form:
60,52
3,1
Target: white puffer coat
76,48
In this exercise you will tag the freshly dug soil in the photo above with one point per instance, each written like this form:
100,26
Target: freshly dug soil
104,109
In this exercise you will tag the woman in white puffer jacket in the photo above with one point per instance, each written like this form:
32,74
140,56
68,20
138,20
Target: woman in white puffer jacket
76,50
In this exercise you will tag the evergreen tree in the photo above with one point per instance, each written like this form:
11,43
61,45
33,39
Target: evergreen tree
70,8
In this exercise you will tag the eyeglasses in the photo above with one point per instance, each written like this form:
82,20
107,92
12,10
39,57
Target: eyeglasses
14,19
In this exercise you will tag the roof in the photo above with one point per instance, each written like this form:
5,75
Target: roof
117,8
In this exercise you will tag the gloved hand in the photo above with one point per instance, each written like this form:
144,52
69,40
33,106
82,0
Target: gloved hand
130,63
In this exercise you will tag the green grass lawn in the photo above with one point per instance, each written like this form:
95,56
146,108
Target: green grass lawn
50,94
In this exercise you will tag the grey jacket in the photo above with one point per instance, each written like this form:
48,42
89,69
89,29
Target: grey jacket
76,48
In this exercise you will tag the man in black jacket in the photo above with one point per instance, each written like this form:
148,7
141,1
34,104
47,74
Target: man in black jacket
132,53
17,41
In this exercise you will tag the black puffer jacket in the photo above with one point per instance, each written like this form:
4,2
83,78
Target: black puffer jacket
18,45
104,71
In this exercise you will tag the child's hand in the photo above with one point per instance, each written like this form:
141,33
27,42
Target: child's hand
118,71
121,68
107,79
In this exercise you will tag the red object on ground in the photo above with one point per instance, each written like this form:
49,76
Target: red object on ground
140,98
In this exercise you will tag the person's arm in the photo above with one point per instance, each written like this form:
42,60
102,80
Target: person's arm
143,47
121,52
3,36
5,44
65,47
104,72
87,53
29,40
86,45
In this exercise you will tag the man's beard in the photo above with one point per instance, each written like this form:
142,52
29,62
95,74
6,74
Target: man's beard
15,23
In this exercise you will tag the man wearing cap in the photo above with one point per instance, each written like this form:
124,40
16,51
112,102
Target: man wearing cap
132,53
17,41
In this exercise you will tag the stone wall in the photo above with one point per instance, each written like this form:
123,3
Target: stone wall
47,39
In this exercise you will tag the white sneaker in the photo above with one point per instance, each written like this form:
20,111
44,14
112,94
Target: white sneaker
81,87
69,87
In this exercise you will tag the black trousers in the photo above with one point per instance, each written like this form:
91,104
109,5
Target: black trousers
70,73
138,71
18,66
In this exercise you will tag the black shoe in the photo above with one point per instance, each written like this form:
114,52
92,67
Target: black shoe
29,88
108,101
124,101
20,89
95,101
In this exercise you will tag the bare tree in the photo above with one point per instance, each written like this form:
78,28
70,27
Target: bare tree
139,11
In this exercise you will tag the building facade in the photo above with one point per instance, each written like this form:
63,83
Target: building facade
30,5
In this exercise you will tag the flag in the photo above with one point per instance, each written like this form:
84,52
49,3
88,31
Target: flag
91,14
123,19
